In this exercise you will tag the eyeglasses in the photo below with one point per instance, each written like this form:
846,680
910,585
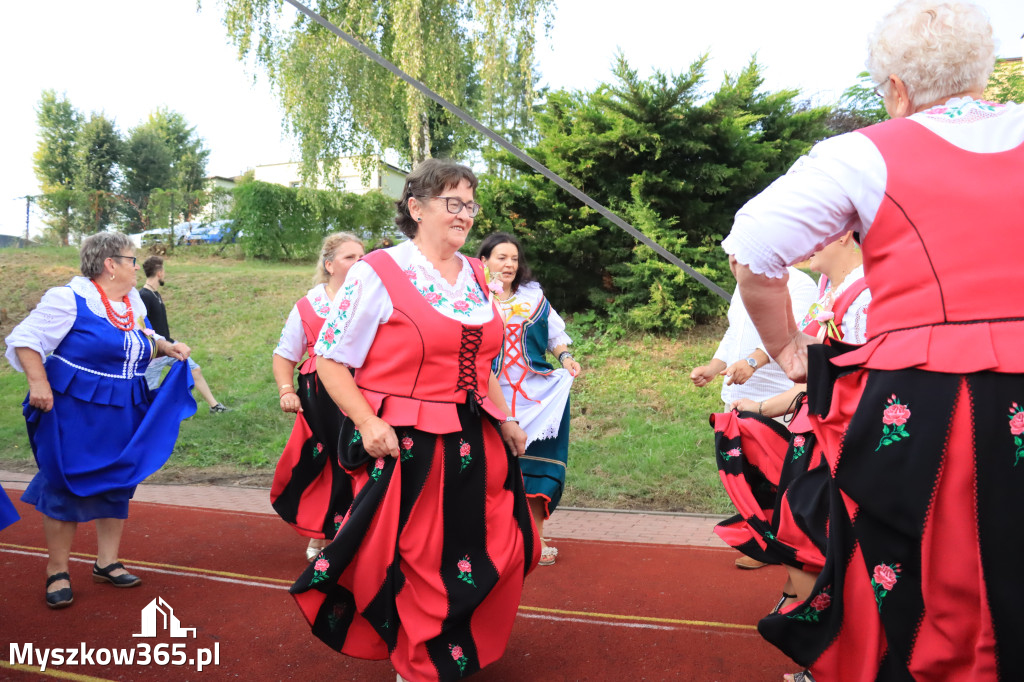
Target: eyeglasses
880,89
455,205
120,256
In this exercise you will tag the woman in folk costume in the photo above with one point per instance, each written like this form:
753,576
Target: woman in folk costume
310,490
922,425
536,392
428,566
779,484
95,427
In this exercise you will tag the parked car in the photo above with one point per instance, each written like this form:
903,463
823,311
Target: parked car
162,235
214,232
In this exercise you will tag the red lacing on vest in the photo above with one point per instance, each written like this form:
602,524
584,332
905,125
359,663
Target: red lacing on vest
469,346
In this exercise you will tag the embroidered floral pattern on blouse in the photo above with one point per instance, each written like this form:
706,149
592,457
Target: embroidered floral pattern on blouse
894,418
459,657
321,303
1016,418
883,579
811,611
966,110
466,571
338,319
799,442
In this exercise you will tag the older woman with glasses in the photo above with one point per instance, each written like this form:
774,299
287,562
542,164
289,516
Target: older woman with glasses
95,427
923,425
427,568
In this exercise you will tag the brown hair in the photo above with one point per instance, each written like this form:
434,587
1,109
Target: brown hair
428,179
152,265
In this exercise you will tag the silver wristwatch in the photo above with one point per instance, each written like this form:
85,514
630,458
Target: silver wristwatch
510,418
752,362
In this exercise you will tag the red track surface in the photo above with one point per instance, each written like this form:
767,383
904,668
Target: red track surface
605,611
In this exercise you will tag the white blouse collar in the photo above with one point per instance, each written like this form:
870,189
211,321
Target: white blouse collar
84,287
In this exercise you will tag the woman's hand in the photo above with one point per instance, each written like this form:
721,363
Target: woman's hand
573,366
793,356
290,402
178,351
514,437
40,395
379,439
746,405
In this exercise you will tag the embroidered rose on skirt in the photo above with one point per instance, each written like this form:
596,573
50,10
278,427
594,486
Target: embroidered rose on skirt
466,571
735,452
378,469
894,420
320,570
811,611
459,657
1016,418
883,579
465,456
798,447
406,448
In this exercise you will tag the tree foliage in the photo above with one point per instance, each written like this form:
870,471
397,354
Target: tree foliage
477,54
55,161
288,223
1006,84
858,108
669,158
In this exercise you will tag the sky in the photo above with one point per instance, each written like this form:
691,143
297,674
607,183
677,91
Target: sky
126,58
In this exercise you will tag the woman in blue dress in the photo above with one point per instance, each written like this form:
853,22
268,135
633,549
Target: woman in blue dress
95,427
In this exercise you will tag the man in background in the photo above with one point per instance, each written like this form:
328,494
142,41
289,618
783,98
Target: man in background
157,312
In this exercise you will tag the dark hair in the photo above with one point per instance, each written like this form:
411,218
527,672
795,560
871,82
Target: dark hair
428,179
153,265
523,274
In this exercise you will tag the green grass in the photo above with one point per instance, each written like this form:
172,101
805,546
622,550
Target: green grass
640,435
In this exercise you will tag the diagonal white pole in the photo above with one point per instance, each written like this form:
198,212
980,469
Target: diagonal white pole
516,151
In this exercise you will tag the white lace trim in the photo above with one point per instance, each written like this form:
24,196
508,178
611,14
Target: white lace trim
426,271
84,287
960,110
761,259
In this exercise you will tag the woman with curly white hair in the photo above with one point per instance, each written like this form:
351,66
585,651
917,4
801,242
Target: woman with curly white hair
923,425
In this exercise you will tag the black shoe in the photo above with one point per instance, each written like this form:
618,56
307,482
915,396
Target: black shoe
100,575
62,598
218,408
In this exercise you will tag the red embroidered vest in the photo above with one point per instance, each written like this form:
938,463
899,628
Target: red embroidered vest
942,257
422,364
311,325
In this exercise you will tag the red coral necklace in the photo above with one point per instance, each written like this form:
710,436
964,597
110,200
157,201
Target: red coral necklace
124,321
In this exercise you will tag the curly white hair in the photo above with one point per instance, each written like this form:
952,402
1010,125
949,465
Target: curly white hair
938,49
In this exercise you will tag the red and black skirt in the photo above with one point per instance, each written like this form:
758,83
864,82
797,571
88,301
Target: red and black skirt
921,579
310,489
428,566
777,480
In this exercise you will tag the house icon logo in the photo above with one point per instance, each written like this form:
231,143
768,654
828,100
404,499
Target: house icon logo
159,612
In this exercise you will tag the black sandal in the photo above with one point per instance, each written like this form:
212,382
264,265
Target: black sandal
62,598
803,676
100,575
778,607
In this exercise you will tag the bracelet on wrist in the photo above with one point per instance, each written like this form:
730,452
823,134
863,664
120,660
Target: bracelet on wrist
760,408
563,355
